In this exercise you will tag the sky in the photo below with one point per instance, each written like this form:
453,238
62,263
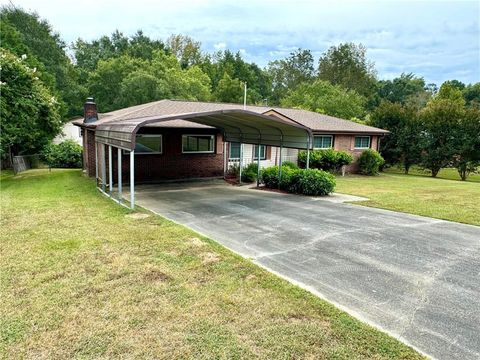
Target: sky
438,40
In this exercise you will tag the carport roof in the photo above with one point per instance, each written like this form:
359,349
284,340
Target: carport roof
236,125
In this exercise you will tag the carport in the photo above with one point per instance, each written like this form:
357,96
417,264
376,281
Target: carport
242,126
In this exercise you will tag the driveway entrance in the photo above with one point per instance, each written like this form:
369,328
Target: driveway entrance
416,278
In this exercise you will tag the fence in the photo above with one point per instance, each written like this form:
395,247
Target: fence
25,162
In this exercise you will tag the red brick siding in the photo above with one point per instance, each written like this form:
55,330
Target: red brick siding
171,164
347,143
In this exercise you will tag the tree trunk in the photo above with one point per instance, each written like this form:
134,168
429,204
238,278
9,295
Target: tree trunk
435,172
463,174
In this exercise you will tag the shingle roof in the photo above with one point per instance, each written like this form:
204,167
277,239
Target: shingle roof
315,121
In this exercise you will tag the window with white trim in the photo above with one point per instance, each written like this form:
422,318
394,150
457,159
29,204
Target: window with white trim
198,144
263,152
234,151
148,144
322,141
362,142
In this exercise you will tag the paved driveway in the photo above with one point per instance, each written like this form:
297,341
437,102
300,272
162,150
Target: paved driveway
416,278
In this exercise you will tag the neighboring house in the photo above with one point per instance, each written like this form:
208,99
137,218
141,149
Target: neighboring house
70,132
179,148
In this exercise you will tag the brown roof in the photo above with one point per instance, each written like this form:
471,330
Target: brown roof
315,121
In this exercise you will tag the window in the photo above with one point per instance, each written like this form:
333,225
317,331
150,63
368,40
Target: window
197,143
362,142
322,141
148,144
234,150
263,152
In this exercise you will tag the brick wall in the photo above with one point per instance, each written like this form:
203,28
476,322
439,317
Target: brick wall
171,164
347,143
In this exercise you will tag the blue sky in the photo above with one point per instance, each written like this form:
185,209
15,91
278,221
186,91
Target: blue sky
439,40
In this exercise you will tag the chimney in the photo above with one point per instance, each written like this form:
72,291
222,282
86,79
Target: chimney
90,113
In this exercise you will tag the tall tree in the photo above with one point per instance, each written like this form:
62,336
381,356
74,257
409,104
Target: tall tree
441,118
325,98
288,73
47,46
185,49
471,94
402,145
402,89
347,65
30,113
467,143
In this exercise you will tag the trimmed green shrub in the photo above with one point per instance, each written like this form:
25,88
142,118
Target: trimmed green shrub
233,170
327,160
314,182
270,177
290,164
370,162
249,173
299,181
67,154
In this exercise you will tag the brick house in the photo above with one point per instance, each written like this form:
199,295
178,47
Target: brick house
177,148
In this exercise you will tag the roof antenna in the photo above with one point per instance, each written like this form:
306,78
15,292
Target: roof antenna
245,97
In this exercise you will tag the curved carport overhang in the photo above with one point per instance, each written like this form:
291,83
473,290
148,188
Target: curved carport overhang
242,126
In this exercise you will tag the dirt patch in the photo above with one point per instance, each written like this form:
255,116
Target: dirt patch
156,276
210,258
196,242
137,216
250,277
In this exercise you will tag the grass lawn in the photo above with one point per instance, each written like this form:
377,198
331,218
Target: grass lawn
82,278
418,193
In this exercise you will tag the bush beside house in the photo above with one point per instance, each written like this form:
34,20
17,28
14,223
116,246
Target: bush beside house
299,181
327,160
370,162
67,154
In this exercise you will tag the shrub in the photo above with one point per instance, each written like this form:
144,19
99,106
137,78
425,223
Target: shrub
299,181
314,182
67,154
327,160
270,177
290,164
249,173
233,170
369,162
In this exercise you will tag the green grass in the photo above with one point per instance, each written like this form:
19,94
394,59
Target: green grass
82,278
418,193
446,173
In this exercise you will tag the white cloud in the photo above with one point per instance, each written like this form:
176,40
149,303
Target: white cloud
435,39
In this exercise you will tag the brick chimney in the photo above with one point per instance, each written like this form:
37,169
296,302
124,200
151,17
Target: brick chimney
90,113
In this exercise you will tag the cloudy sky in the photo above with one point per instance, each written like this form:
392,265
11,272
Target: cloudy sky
438,40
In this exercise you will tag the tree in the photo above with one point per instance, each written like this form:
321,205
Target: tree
402,89
229,90
467,144
441,118
48,48
471,94
287,74
185,49
402,145
323,97
30,113
347,65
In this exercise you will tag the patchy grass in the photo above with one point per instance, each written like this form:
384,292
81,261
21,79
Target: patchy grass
82,279
418,194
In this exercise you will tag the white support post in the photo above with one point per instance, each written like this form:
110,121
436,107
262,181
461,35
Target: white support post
96,163
104,170
308,153
132,179
119,170
225,160
280,165
241,163
110,170
258,165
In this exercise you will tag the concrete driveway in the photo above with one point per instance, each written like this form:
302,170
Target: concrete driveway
416,278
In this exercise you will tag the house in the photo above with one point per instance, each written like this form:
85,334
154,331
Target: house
173,139
69,132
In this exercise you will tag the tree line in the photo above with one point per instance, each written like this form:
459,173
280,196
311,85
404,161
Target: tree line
45,82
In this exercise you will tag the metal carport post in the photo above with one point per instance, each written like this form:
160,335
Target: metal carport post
132,179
